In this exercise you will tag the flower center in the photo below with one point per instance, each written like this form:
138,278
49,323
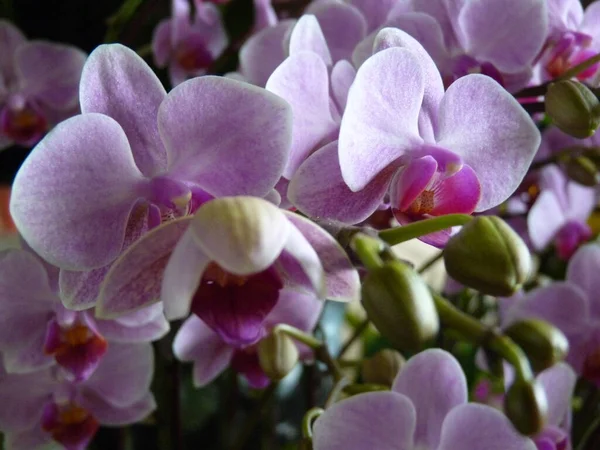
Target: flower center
69,424
25,126
76,348
235,306
193,57
591,367
423,204
568,51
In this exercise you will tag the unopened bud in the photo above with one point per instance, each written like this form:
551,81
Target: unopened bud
399,304
488,255
278,355
526,406
544,344
382,367
582,170
573,108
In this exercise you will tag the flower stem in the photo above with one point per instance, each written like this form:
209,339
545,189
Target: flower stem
476,332
308,420
576,70
117,21
595,425
358,331
405,233
368,249
255,418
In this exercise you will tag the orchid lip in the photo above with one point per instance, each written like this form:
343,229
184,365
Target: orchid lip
69,424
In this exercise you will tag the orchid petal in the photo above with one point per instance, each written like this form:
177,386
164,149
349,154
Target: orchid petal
507,33
182,276
161,43
559,383
582,271
491,132
435,382
202,148
243,235
341,278
342,77
72,206
350,424
480,427
196,342
110,415
134,280
303,81
380,123
308,36
546,217
118,83
319,190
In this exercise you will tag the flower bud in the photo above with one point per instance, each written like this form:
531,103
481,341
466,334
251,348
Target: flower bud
399,304
488,255
573,108
526,406
583,170
278,355
382,367
544,344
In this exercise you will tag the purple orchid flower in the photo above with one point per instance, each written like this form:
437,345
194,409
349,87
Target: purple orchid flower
167,153
573,37
426,409
577,295
231,265
426,152
189,46
264,15
45,333
341,25
43,410
198,343
498,38
316,89
560,212
38,86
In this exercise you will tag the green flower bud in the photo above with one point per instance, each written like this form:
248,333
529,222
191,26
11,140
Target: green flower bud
277,355
526,406
544,344
573,108
583,170
399,304
488,255
382,367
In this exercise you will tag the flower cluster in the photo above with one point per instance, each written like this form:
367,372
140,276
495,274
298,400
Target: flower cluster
223,217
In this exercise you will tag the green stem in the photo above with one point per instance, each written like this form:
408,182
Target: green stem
144,51
117,22
338,388
357,332
476,332
405,233
574,71
308,419
367,248
319,347
430,263
595,425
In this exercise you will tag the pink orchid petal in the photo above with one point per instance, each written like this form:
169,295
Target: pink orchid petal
303,81
341,277
308,36
484,125
202,148
134,280
380,124
118,83
72,207
319,190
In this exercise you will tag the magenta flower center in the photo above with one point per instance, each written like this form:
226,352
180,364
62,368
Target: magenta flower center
193,57
76,348
245,362
591,367
236,306
568,51
570,237
69,424
25,126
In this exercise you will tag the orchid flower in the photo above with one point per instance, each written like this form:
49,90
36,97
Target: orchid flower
209,137
232,263
38,86
425,151
198,343
426,409
44,410
573,37
189,46
45,333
